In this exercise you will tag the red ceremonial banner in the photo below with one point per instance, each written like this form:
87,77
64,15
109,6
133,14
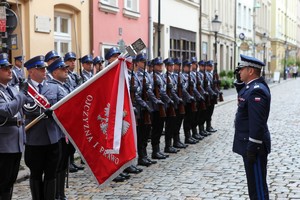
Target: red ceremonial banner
89,119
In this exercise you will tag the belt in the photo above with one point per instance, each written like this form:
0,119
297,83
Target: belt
17,123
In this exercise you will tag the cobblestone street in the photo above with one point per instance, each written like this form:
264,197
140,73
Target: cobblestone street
209,169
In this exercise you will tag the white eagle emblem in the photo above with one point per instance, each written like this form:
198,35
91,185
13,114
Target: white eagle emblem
104,121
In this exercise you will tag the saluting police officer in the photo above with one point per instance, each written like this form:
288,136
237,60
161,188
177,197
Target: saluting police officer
42,147
18,74
59,71
252,137
170,127
144,108
49,58
12,135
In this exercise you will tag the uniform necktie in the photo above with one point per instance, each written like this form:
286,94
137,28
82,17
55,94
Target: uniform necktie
10,92
40,86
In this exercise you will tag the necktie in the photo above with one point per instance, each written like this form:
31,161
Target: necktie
10,92
40,86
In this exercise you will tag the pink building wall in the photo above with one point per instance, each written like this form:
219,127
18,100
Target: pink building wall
106,26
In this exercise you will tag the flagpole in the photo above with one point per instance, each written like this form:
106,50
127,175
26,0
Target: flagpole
132,50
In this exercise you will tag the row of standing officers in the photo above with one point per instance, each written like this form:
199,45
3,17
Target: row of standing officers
185,94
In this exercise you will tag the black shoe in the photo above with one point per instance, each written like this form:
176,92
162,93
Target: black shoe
198,137
144,162
125,175
179,145
207,133
132,170
138,169
77,167
171,150
119,179
166,155
203,133
72,169
195,139
211,129
189,141
157,155
151,161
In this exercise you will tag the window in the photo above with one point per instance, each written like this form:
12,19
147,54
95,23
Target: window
62,33
131,9
110,6
182,49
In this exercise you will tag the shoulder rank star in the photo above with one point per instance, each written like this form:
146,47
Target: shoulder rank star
257,99
256,86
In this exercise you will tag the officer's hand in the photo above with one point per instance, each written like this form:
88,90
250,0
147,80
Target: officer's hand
171,102
237,75
148,109
135,110
192,99
48,112
159,102
23,87
251,157
180,100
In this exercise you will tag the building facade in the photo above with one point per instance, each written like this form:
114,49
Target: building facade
42,26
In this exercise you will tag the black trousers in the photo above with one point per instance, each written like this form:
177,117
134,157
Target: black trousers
9,168
177,125
170,130
143,133
257,177
64,152
209,112
157,128
42,161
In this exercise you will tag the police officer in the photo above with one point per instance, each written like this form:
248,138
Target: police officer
49,58
144,108
12,135
252,137
98,63
59,72
74,79
189,108
159,115
112,55
205,85
42,139
213,96
171,109
180,85
87,65
17,71
197,84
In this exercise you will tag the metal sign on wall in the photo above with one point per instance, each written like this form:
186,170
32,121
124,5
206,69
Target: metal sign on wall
42,24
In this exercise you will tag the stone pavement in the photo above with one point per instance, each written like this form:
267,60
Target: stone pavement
210,170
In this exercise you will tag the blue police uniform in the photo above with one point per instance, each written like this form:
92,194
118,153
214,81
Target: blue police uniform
252,137
74,80
86,75
18,74
42,147
12,135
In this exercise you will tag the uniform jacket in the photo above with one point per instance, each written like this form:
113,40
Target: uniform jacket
161,84
172,87
46,131
86,75
12,138
186,97
251,129
152,100
74,79
17,75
